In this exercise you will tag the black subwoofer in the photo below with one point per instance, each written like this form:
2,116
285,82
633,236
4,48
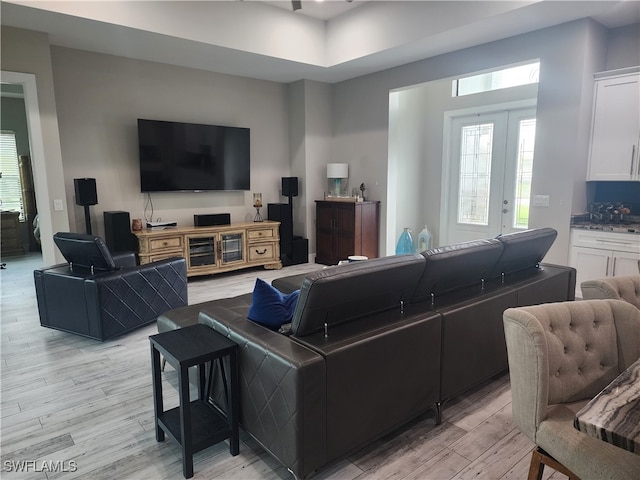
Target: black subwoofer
117,232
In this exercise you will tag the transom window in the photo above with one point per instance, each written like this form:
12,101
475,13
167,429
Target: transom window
504,78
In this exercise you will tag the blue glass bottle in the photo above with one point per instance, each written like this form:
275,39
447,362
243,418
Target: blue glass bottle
405,243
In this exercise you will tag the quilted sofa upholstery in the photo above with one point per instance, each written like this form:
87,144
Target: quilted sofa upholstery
94,296
374,344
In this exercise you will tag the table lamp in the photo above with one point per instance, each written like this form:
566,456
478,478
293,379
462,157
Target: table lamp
337,175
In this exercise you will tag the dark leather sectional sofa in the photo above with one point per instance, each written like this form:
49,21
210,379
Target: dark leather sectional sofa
374,344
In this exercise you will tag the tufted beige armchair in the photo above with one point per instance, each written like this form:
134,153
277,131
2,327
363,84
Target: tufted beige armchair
625,288
561,355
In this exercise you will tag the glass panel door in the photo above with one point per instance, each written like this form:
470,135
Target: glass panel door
202,251
490,171
232,247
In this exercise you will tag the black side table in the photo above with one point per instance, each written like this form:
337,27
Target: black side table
196,424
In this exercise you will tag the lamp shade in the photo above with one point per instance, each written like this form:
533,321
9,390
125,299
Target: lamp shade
337,170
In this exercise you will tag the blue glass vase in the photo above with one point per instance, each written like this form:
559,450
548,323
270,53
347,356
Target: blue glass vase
405,243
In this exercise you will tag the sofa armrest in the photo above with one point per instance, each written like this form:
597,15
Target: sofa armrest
528,368
125,259
282,390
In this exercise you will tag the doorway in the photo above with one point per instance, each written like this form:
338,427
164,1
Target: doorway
487,171
38,164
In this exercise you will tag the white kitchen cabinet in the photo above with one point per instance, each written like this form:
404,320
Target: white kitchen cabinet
597,254
615,129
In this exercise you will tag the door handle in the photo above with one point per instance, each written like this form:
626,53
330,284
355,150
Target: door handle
633,155
613,273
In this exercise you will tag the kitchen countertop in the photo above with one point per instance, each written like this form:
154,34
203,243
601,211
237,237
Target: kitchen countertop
609,227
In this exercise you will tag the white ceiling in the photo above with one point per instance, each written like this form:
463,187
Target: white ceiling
330,41
322,10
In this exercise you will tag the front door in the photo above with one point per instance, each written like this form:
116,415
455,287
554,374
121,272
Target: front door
489,174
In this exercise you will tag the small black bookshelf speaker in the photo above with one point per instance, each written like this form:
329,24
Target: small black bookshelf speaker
290,186
86,193
211,219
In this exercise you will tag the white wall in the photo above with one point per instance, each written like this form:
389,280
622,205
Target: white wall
100,97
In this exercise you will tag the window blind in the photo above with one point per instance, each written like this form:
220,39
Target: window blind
10,185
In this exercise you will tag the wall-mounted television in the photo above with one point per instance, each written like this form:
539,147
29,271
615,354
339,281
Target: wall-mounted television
193,157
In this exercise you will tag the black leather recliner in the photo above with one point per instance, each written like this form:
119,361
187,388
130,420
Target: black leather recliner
100,296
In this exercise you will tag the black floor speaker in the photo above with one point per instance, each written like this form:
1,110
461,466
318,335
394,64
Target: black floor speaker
117,232
300,253
281,212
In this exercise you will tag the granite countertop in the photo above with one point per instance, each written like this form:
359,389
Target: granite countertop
614,414
609,227
630,224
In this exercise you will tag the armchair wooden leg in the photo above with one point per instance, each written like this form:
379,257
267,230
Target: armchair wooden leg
540,458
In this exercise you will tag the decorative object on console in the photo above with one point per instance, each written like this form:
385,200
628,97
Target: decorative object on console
136,224
257,203
337,175
270,307
86,195
405,243
362,189
424,240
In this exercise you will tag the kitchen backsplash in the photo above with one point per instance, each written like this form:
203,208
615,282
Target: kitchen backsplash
625,193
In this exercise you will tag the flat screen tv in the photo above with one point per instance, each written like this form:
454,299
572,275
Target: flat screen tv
192,157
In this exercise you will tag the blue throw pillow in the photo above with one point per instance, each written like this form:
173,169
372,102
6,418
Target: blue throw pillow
270,307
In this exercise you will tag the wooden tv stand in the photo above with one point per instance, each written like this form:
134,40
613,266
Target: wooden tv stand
210,250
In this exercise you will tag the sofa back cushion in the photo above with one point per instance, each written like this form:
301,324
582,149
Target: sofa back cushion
84,251
336,295
523,250
456,266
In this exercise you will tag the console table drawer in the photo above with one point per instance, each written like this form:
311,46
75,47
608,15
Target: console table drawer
162,256
156,244
261,251
259,234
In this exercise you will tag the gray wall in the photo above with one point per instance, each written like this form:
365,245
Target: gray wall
13,117
569,55
296,129
100,98
28,52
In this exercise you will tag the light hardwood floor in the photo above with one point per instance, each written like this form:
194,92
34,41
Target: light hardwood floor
68,399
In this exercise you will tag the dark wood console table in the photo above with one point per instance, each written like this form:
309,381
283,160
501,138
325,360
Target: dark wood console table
346,228
196,424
